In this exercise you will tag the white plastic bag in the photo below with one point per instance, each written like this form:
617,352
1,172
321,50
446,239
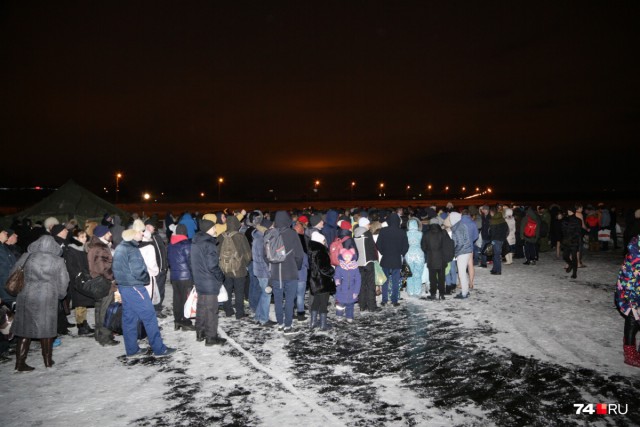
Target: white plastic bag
223,296
191,304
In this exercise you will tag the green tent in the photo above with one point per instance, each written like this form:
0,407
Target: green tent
70,201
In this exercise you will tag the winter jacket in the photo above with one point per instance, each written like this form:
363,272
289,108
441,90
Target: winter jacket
179,254
628,285
392,243
432,246
45,282
190,223
100,259
207,275
511,223
288,269
240,243
571,232
365,245
460,236
129,268
472,228
75,258
330,228
348,280
499,230
320,270
7,261
260,266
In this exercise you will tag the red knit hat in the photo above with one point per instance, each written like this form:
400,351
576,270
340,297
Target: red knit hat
345,225
303,219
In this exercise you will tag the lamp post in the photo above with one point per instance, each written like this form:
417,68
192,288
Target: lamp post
353,184
316,184
118,176
407,190
220,181
381,189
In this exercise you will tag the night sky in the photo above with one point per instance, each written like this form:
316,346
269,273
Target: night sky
532,96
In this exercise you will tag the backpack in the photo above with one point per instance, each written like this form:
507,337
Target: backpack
274,249
530,228
230,258
334,250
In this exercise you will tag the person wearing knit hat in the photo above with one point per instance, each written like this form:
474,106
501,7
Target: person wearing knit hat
348,282
316,221
100,260
131,274
50,222
160,254
511,237
463,250
178,254
499,231
209,280
321,283
571,239
303,219
206,225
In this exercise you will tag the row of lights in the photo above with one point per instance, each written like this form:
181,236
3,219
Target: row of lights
316,185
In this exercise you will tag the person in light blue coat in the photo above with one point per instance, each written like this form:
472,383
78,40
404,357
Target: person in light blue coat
190,223
463,248
414,258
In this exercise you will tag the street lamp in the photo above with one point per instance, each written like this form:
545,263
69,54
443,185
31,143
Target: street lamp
118,176
408,188
353,184
220,181
146,196
381,189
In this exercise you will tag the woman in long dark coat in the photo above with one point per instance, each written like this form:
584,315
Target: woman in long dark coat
45,282
320,278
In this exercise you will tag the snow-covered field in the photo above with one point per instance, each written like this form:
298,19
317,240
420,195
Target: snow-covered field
522,350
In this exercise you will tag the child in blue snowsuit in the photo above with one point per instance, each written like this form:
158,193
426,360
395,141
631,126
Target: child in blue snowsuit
347,278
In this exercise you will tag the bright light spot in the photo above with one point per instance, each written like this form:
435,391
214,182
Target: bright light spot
146,196
201,194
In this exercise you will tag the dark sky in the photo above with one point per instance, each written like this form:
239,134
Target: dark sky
533,95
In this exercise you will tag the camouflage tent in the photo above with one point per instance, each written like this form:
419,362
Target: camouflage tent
70,201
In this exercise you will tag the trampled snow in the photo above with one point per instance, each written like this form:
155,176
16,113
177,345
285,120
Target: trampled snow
522,350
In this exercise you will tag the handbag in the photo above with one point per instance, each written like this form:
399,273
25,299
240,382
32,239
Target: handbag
96,288
405,272
191,304
380,277
488,250
113,320
223,296
15,282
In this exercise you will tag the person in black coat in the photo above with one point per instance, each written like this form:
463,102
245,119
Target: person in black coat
321,282
393,244
433,245
368,255
571,238
77,262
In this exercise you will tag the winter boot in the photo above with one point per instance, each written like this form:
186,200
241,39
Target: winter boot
324,325
89,328
200,335
509,258
314,319
301,316
47,351
631,355
22,350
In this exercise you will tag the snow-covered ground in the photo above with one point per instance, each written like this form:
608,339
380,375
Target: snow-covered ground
523,349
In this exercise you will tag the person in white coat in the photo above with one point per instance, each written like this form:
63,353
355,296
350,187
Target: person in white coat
149,255
511,237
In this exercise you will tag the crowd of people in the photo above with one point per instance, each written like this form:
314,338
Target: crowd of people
243,262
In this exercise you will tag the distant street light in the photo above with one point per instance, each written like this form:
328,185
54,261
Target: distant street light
220,181
382,189
146,196
118,176
353,184
408,188
201,194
